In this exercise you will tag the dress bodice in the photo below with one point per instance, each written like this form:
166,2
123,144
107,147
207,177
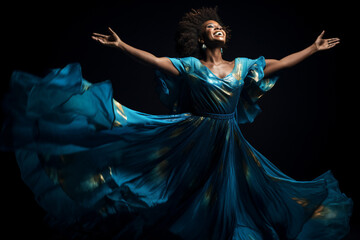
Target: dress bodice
210,93
197,89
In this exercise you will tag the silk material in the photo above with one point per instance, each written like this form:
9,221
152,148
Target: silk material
92,162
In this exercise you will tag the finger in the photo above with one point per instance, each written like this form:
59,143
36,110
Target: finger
321,34
100,35
98,39
102,41
331,40
95,38
112,31
333,44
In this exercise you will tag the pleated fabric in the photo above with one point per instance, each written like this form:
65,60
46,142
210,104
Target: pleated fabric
102,169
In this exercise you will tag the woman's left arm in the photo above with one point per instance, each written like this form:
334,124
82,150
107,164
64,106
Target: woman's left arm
273,65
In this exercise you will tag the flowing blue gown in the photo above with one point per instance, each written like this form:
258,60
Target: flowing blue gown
89,159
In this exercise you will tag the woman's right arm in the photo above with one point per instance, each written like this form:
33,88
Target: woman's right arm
146,58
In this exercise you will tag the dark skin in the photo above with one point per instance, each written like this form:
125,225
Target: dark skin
214,38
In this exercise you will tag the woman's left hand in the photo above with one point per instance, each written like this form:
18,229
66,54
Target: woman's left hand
324,44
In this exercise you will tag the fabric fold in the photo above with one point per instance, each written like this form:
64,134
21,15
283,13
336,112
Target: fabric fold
99,168
254,88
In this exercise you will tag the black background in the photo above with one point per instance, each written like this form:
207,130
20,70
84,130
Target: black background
308,124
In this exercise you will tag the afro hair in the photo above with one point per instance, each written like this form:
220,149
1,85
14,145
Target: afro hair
189,31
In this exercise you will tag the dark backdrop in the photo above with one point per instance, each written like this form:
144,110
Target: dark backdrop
307,126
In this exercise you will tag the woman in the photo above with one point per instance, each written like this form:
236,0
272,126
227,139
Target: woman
99,167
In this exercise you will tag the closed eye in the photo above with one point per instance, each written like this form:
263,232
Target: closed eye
213,26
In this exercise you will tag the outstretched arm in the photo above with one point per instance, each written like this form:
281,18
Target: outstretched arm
141,56
273,65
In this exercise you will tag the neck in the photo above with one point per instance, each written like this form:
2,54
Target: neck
213,55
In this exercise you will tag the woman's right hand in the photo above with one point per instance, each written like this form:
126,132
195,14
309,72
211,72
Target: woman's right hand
111,40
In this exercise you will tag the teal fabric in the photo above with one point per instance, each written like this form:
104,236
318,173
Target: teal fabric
90,160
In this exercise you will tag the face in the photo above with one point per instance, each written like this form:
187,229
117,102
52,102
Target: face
212,33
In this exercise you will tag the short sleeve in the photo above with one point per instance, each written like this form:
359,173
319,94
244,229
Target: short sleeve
255,85
173,90
181,64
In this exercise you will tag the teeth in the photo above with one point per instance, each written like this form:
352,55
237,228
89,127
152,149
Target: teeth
218,34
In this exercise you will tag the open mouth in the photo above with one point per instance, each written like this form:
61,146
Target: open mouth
218,34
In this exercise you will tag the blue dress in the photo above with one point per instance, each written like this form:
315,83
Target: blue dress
90,160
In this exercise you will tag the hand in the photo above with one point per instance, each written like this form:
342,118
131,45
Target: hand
111,40
324,44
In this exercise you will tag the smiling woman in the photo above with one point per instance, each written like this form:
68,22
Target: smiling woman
212,37
191,30
212,34
93,162
212,30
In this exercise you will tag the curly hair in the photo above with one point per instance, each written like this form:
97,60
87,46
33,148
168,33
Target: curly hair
189,31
